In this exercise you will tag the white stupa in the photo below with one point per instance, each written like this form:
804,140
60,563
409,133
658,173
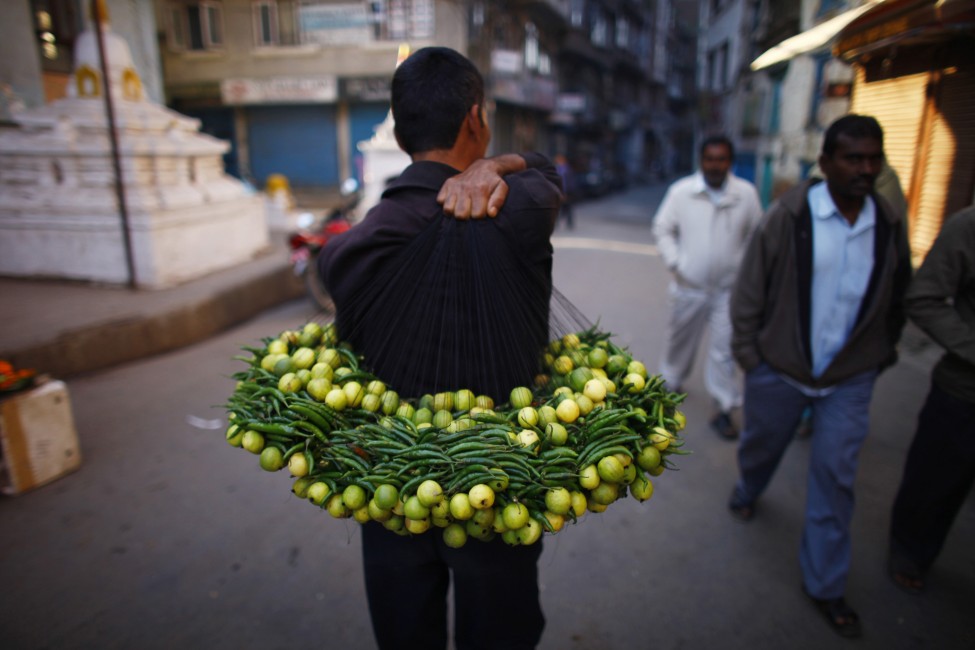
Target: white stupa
59,208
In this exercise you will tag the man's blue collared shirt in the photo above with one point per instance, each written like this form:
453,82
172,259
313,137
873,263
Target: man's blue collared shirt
842,263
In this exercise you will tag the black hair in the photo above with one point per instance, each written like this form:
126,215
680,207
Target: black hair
852,126
718,140
432,92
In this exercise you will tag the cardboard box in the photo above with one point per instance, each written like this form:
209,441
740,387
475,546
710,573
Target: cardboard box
38,441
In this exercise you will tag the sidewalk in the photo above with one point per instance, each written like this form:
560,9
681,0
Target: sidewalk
64,328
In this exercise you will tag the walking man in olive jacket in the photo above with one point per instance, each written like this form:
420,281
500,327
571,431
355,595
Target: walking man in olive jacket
816,311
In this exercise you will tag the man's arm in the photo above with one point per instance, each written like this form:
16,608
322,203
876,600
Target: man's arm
665,229
480,189
748,298
941,276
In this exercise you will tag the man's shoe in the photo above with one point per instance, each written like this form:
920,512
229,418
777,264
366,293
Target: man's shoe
723,426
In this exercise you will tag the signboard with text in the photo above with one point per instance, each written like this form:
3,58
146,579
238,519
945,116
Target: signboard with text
279,90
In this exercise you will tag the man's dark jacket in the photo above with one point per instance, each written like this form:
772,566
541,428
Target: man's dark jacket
436,304
771,299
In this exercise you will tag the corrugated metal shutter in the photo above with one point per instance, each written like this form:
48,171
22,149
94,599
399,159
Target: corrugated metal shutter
898,105
929,139
949,170
297,141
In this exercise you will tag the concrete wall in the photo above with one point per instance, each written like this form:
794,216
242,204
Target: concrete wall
135,21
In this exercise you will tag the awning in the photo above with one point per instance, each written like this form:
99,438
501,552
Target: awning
811,39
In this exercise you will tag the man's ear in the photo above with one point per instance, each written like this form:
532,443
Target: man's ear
475,118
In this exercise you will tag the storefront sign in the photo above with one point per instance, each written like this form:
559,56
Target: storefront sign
279,90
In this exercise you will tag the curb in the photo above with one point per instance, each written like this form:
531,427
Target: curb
103,345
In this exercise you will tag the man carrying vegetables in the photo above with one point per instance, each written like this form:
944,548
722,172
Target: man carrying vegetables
435,303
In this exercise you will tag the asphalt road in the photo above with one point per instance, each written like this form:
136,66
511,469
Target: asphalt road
169,538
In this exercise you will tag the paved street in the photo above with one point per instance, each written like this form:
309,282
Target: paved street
169,538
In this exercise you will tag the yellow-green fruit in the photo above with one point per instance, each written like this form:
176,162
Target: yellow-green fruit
634,382
579,377
520,397
567,411
300,487
252,441
529,533
303,358
648,458
610,469
376,513
556,434
478,531
558,501
485,517
429,493
406,410
362,514
555,521
464,399
418,526
337,508
605,493
271,360
354,392
579,503
455,535
528,417
371,403
481,496
597,358
390,402
283,366
289,383
396,523
298,465
272,459
484,401
641,488
460,507
589,477
443,402
546,416
422,415
318,388
277,347
317,492
442,419
386,496
563,365
354,497
515,515
375,387
660,438
637,368
337,399
323,371
331,356
235,435
413,508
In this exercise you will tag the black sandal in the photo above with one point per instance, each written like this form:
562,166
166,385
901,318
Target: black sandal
839,615
905,574
740,510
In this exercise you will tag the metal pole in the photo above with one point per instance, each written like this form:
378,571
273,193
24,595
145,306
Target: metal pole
99,15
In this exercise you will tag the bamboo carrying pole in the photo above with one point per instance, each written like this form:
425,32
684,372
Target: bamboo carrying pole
99,16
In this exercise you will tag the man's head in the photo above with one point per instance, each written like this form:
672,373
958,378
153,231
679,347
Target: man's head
853,155
433,92
717,154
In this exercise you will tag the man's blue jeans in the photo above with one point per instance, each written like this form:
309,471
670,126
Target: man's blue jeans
841,420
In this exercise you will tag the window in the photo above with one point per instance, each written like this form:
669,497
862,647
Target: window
622,33
195,25
531,46
577,11
274,22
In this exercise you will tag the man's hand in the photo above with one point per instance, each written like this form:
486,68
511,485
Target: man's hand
479,190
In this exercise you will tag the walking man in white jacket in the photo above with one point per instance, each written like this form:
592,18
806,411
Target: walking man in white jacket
701,229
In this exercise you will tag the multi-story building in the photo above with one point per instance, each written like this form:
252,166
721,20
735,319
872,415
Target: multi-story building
295,85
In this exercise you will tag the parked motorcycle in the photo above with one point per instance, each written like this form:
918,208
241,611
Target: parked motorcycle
312,235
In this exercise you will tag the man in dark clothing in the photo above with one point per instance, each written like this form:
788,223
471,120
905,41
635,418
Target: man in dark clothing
816,310
434,304
940,467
